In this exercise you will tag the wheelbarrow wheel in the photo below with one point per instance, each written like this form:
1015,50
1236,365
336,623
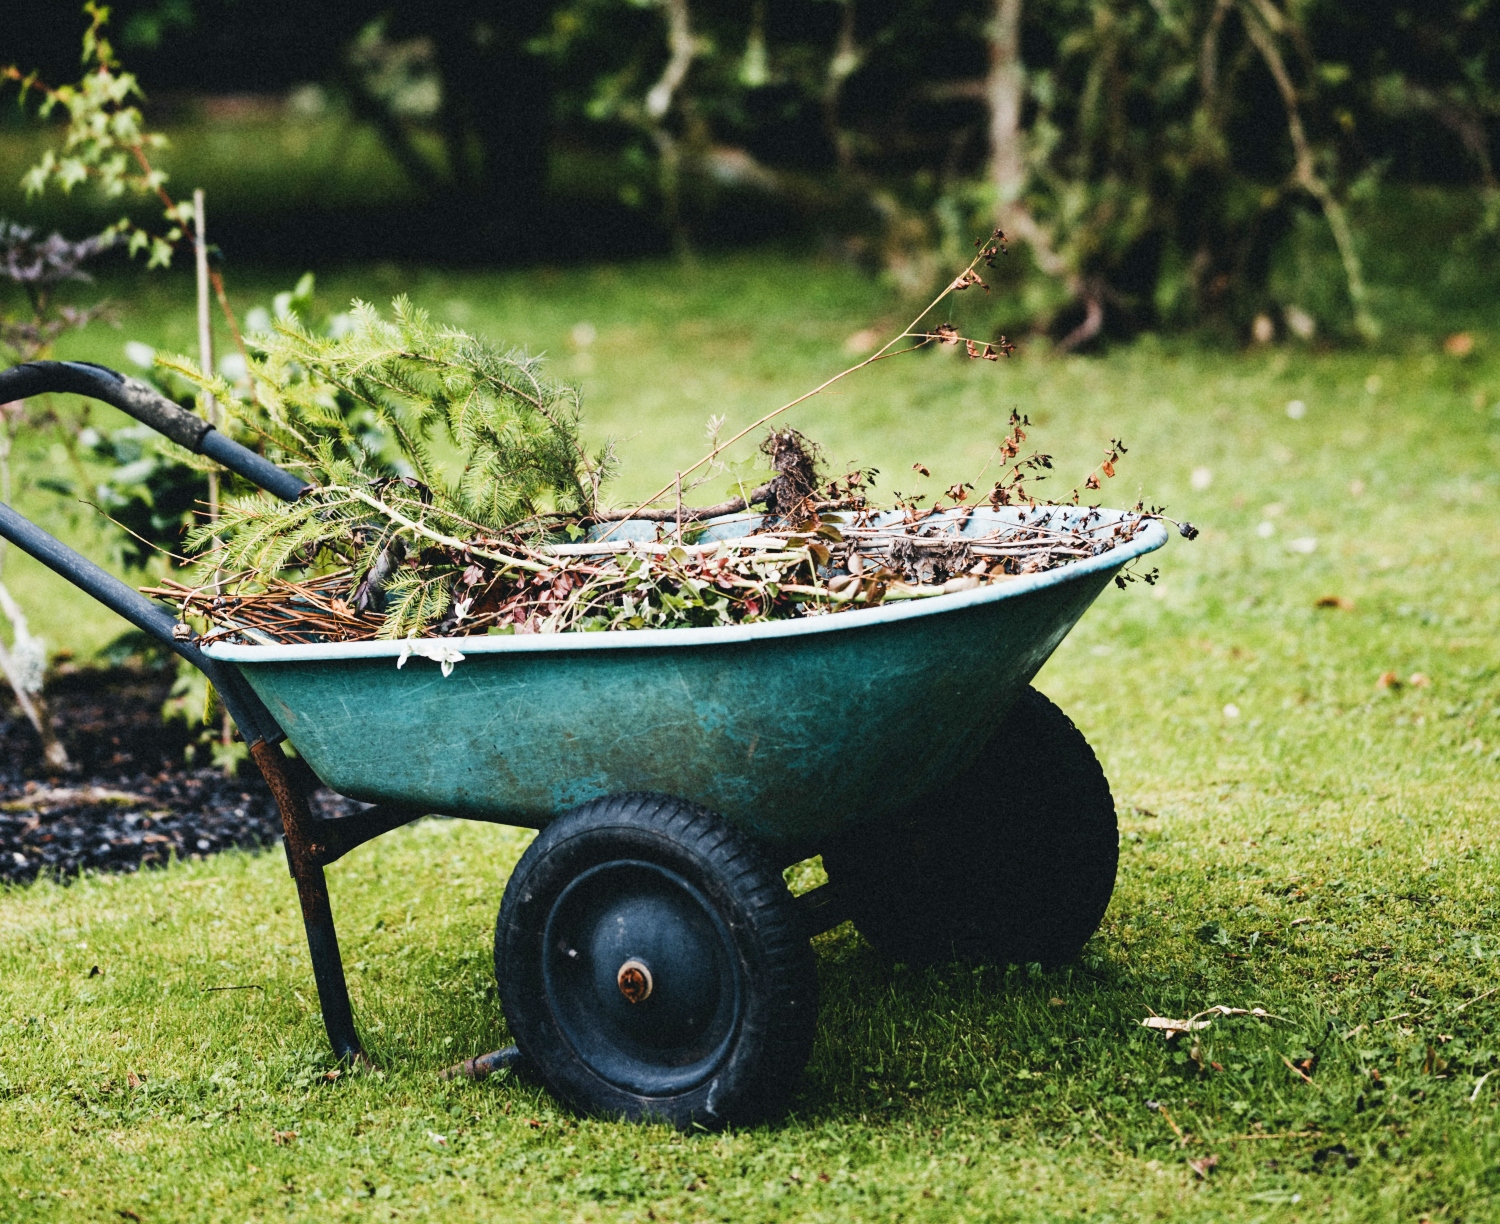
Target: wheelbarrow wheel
651,965
1011,863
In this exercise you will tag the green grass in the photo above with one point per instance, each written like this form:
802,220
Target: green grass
1327,854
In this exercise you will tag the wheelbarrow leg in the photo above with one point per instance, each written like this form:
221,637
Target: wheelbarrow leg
312,891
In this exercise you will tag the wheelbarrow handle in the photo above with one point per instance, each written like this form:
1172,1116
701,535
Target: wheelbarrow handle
149,407
309,841
249,713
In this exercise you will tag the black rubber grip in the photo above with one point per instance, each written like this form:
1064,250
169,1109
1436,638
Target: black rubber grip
148,406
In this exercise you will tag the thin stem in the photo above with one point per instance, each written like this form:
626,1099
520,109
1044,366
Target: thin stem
205,336
904,333
437,537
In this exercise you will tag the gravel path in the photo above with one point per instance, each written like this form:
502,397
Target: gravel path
130,800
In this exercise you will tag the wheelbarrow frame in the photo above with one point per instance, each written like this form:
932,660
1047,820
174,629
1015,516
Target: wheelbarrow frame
311,842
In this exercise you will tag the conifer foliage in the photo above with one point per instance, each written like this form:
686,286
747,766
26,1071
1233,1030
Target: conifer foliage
416,440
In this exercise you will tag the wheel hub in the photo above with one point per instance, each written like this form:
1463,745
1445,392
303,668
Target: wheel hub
641,977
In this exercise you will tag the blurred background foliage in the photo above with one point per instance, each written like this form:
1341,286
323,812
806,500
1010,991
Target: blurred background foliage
1219,164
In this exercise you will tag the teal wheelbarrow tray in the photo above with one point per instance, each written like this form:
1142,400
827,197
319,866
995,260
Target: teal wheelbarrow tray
651,961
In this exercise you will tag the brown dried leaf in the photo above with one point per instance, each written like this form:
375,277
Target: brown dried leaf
946,333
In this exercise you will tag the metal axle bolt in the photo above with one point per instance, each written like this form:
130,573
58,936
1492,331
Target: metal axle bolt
634,981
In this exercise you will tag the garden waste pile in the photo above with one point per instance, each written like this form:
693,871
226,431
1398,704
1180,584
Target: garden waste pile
449,493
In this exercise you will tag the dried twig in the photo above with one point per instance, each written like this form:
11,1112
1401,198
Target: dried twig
994,246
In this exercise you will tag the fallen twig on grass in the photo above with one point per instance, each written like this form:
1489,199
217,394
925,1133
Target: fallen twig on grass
1170,1028
1298,1071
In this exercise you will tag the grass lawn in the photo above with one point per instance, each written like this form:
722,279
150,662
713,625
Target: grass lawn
1295,838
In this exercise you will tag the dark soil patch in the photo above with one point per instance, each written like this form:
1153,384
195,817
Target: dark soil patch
131,799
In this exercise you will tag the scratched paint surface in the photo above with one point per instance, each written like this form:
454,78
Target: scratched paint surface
789,738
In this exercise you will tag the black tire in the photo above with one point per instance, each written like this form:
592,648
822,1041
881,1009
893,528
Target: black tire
1012,863
652,895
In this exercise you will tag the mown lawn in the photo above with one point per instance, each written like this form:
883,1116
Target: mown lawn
1295,837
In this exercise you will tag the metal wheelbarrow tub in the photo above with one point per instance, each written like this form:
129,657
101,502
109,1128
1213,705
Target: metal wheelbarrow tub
650,958
794,731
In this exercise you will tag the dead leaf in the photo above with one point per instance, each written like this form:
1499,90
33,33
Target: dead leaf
946,333
283,1138
1420,680
1334,601
917,467
1388,680
1204,1165
1056,1002
132,1079
967,278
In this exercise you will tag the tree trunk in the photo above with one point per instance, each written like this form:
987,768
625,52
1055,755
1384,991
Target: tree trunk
495,119
1003,91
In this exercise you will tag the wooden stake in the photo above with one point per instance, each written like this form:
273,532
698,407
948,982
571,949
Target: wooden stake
205,335
206,363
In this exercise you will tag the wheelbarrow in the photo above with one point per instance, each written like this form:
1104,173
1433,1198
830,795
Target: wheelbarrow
650,959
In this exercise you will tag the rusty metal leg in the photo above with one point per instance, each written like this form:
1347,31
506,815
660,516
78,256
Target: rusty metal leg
312,891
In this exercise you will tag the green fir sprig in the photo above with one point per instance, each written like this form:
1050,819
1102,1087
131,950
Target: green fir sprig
417,441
